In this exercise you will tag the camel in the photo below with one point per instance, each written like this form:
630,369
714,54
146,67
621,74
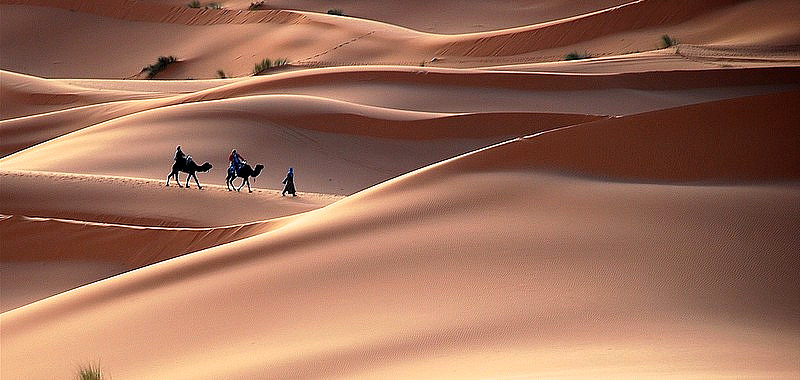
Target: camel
245,172
187,167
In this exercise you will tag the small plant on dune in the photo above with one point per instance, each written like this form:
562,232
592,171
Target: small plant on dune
261,66
256,6
90,373
194,4
160,64
336,12
575,55
266,63
221,74
667,41
213,6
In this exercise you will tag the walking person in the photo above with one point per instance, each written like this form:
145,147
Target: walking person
289,184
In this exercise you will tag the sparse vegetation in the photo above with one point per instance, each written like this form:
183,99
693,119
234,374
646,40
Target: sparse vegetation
90,373
194,4
213,6
575,55
256,6
266,63
221,74
667,41
160,64
336,12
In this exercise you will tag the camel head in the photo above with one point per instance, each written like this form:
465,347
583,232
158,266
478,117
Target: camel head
205,167
258,170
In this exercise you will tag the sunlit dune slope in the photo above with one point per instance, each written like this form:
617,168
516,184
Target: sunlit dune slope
475,267
431,90
143,202
439,16
25,95
336,147
60,231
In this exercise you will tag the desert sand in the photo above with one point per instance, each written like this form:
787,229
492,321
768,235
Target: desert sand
471,204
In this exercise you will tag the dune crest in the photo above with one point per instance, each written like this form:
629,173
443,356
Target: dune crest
134,10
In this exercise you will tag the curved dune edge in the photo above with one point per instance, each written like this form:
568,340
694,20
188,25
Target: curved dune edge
627,17
146,203
489,79
88,228
339,147
69,251
25,95
396,281
746,140
133,10
17,134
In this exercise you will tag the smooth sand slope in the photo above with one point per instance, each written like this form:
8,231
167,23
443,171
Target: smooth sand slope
60,231
443,91
479,266
51,40
336,147
471,205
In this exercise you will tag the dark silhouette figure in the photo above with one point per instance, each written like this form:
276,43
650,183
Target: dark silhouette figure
245,172
179,156
187,166
289,184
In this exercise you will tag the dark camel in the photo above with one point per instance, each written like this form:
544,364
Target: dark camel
190,168
246,171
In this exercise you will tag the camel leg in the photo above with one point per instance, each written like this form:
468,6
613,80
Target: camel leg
228,182
197,182
188,177
244,180
177,179
169,177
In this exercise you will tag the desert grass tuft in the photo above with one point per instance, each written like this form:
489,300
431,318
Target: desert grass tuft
575,55
161,63
667,41
90,372
266,63
256,6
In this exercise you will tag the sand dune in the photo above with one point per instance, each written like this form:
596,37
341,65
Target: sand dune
645,271
412,89
207,40
754,139
68,230
279,131
471,205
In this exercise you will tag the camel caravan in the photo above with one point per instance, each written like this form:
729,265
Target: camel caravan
239,168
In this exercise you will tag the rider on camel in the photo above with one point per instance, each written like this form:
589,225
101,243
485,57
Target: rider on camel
179,156
236,161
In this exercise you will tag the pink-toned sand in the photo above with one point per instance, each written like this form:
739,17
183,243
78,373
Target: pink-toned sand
471,205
